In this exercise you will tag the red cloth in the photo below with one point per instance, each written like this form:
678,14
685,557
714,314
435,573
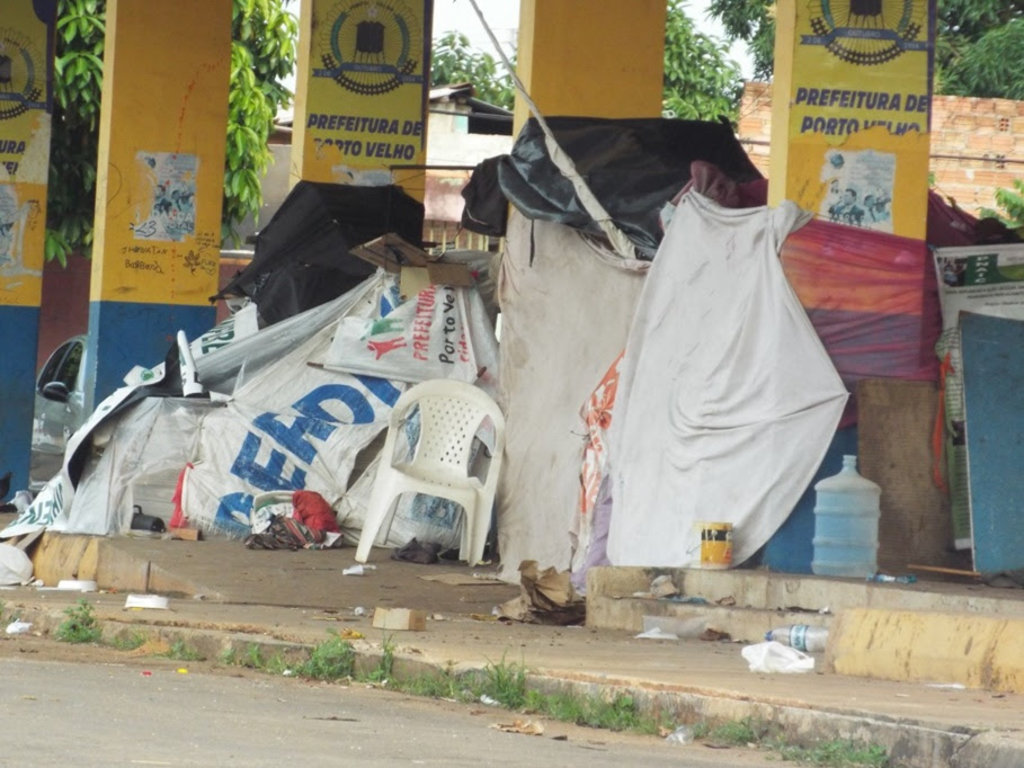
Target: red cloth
178,518
313,511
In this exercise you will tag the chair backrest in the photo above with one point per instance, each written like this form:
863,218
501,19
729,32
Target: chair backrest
451,413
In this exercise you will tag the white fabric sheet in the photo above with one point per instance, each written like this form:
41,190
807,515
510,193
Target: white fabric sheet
565,316
727,399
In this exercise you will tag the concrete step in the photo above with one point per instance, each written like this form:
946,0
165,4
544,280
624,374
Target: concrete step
929,632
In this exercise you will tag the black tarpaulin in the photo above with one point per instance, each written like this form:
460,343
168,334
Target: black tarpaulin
632,166
302,255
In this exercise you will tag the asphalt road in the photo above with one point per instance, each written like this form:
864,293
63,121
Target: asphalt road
158,712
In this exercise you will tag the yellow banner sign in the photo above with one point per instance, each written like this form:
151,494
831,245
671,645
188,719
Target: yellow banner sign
858,111
366,90
25,98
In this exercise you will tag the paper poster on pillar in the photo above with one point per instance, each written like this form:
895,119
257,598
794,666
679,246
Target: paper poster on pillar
859,111
368,89
168,209
26,76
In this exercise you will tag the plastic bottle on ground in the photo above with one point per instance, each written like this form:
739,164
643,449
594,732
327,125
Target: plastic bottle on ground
800,636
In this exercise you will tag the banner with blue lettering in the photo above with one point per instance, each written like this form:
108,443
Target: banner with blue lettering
296,426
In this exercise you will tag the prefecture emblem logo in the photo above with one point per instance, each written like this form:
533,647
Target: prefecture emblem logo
371,47
868,32
20,87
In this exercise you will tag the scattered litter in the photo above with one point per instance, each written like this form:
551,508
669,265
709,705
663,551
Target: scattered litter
146,601
351,634
146,673
77,585
772,656
662,586
485,699
358,570
691,600
715,635
527,727
681,735
18,627
493,616
886,578
422,552
462,580
656,633
948,686
359,611
15,566
399,619
546,597
182,671
487,577
680,627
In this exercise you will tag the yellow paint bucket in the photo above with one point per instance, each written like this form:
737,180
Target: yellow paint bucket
716,545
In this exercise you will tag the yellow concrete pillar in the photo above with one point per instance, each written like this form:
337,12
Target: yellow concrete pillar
160,177
26,79
851,108
596,58
361,92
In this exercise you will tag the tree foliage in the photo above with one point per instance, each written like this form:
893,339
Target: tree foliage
979,45
262,55
753,22
1011,207
454,60
701,82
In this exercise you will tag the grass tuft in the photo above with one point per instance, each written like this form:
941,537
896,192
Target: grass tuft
80,626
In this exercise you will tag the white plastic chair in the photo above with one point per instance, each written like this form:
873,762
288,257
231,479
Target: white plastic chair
451,414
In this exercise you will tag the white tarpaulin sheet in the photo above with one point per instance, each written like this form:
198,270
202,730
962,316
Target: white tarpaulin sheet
295,426
727,399
565,315
441,333
149,443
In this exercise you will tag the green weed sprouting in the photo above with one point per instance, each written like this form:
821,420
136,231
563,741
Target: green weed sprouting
80,626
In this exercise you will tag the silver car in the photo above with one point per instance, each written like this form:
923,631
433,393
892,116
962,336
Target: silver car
59,409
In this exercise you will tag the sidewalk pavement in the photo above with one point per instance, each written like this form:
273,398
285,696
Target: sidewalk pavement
222,595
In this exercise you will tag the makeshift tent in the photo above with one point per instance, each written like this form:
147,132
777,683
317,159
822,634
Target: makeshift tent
727,400
302,254
282,422
633,167
565,315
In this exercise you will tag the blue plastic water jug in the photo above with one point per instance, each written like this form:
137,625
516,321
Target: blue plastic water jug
846,524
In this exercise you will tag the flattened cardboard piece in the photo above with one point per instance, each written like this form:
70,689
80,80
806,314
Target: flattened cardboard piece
412,280
392,253
455,275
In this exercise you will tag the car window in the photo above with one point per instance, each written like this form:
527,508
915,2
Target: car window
52,367
69,367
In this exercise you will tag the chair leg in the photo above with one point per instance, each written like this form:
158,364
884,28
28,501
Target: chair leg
478,525
381,502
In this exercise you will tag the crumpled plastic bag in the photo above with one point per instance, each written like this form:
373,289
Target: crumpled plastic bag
15,566
773,656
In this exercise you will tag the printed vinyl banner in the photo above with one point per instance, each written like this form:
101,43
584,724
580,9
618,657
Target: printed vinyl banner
441,333
26,74
985,280
367,89
859,112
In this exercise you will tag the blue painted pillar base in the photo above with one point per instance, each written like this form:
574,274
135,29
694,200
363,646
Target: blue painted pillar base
17,392
123,335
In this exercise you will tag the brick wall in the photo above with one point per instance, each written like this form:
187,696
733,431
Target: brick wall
977,145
